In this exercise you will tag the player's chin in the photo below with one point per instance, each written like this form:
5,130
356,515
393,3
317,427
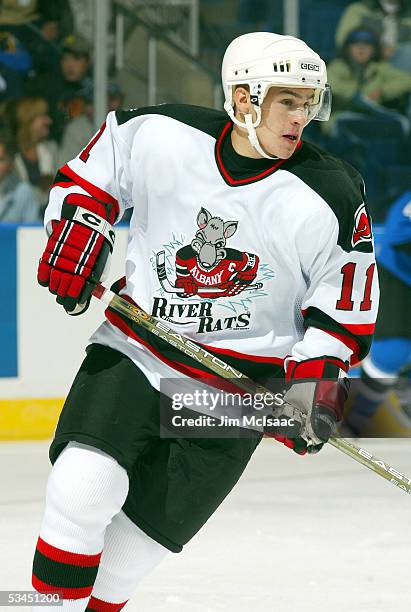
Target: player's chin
288,147
284,148
286,154
283,154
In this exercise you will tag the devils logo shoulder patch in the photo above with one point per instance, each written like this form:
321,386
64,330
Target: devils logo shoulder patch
362,231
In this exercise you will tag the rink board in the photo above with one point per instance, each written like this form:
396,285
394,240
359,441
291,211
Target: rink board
41,346
29,418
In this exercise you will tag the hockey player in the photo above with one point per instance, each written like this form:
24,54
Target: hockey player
391,350
224,205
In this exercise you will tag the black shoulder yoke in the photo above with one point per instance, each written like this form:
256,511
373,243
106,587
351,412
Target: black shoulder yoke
206,120
338,183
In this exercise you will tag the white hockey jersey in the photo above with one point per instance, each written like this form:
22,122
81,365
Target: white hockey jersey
255,259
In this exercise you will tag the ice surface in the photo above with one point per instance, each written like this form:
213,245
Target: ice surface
297,534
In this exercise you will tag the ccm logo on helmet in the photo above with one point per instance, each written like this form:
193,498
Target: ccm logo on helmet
362,226
306,66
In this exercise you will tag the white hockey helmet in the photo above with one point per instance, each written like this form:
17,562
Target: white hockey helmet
262,60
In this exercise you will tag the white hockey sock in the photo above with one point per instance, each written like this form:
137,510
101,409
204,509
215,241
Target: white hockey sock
85,489
128,555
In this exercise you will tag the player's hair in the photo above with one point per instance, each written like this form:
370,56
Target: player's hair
27,109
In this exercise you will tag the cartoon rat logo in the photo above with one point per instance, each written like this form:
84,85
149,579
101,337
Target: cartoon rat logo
206,266
211,238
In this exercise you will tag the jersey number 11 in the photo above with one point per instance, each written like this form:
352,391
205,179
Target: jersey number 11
345,302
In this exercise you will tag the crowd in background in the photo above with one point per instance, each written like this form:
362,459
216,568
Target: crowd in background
370,77
46,98
46,92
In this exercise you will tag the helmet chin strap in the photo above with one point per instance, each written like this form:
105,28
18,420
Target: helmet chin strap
252,134
250,126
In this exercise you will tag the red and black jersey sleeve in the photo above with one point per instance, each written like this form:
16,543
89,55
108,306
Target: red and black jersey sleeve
98,172
337,257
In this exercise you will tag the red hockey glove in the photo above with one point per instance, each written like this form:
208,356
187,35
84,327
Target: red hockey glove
188,284
315,401
78,249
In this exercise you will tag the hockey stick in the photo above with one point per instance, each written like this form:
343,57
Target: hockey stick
213,363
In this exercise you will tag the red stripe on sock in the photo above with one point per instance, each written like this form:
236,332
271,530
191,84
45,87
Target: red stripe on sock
63,556
65,592
104,606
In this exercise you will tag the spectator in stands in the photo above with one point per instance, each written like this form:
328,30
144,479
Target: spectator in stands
16,12
18,203
75,62
56,19
63,89
364,83
36,159
38,26
43,38
83,20
79,131
390,19
15,62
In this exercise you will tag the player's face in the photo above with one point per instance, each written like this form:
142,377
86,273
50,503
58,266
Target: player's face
284,114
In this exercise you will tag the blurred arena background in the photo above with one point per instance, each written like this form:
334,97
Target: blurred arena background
63,65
